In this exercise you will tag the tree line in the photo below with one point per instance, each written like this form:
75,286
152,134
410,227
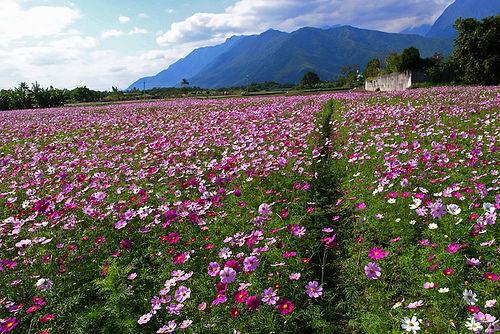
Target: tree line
475,58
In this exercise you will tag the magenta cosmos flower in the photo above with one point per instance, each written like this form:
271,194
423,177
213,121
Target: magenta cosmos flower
377,253
372,271
8,325
253,303
285,306
314,290
491,276
227,275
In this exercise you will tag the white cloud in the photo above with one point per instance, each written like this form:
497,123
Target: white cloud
170,10
111,33
138,31
143,15
253,16
124,19
38,21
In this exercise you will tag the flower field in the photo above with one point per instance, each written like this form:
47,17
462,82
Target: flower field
373,214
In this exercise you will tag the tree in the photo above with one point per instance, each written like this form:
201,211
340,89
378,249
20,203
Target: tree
372,68
410,59
184,83
349,77
477,50
310,79
393,63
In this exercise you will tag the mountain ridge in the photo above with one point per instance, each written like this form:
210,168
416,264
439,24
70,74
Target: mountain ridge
443,27
284,57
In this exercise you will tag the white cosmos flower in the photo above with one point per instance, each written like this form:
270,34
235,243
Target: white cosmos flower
474,325
488,207
470,297
416,203
411,325
454,209
443,290
433,226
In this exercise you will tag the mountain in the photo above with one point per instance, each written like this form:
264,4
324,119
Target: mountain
186,67
290,56
421,30
285,57
478,9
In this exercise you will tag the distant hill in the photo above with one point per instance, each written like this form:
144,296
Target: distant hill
421,30
285,57
477,9
186,67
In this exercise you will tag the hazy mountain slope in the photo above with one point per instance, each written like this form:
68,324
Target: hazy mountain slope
443,27
186,67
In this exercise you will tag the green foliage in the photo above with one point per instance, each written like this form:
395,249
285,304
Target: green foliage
477,50
393,63
372,68
410,59
310,80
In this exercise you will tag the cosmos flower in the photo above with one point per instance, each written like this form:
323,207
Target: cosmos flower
285,306
227,275
470,297
250,263
372,271
269,297
8,325
314,290
213,269
182,294
253,303
377,253
490,276
411,325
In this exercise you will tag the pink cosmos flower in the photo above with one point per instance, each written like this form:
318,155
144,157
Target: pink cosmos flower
377,253
250,263
213,269
227,275
269,296
144,319
264,209
454,248
314,290
182,294
372,271
220,298
484,317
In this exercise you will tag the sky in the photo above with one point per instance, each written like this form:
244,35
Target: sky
105,43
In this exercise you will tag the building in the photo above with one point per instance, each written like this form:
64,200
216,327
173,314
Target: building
394,81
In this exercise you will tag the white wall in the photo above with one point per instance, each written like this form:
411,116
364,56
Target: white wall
390,82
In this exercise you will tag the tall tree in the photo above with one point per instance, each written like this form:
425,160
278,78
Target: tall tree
372,68
310,79
410,59
477,50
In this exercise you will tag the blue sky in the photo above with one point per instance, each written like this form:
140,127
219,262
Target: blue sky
104,43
